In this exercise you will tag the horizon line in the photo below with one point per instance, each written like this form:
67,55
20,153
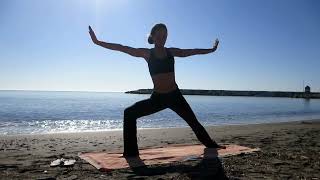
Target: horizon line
140,89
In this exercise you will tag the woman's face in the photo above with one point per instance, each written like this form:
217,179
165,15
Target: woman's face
160,37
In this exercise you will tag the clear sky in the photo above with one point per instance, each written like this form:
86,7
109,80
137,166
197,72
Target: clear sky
264,45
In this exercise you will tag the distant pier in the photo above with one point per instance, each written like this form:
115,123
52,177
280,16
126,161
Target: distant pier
202,92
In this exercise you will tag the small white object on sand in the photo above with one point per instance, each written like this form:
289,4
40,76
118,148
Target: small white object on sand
56,162
62,161
69,162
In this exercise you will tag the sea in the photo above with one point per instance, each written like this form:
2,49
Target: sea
43,112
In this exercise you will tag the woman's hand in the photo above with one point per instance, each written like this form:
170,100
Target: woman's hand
215,46
93,36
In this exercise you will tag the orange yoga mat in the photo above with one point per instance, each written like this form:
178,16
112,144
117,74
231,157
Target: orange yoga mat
105,161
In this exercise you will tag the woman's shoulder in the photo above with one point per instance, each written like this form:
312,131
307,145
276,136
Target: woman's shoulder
173,49
148,53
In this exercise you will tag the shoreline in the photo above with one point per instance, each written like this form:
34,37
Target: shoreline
285,147
160,128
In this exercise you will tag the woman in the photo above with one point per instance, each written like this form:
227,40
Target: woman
166,93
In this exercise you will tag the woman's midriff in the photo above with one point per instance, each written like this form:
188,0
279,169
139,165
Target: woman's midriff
164,82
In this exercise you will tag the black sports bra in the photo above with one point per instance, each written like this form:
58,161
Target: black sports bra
160,65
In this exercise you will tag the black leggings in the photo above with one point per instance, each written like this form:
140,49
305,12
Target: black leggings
157,102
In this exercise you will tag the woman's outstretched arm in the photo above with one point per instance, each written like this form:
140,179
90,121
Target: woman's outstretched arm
136,52
189,52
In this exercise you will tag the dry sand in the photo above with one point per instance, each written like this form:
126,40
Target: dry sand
288,151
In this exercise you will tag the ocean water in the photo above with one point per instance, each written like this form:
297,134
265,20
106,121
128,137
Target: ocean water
37,112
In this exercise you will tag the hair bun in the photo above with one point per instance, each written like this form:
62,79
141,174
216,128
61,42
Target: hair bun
150,40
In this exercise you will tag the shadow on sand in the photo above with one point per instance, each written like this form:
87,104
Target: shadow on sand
207,167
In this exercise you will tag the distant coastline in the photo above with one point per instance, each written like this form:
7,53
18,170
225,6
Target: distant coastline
203,92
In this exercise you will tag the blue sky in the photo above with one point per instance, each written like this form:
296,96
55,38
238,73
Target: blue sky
265,45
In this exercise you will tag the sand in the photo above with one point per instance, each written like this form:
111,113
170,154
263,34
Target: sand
289,150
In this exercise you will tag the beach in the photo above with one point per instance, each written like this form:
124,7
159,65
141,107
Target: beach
289,150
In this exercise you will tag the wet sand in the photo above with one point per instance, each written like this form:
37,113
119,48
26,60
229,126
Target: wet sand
289,150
